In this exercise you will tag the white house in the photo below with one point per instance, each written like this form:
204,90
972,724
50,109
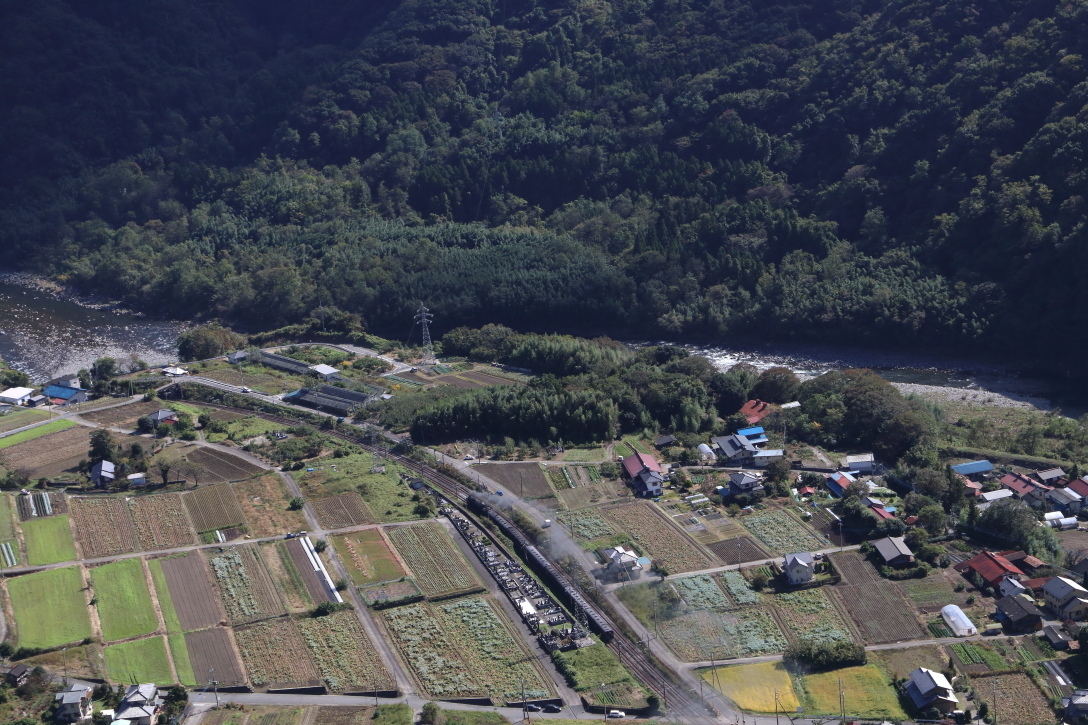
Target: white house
1066,598
16,396
859,463
799,568
624,562
762,459
141,704
325,372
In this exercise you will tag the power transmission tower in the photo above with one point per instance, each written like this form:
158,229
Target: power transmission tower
423,318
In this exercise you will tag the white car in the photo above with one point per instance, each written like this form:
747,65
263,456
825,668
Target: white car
616,713
247,390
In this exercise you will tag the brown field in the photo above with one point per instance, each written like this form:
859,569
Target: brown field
880,612
124,416
265,503
223,466
50,455
901,662
739,550
524,479
286,575
486,379
190,586
225,415
342,715
666,545
275,655
161,522
245,587
1019,700
433,558
58,501
103,527
214,507
457,382
854,568
313,581
211,648
576,498
342,510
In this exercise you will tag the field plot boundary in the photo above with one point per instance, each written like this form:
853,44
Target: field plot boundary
192,591
222,465
214,507
436,563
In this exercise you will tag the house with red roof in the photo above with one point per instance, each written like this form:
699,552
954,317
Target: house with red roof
993,568
645,474
1079,485
1030,492
756,410
881,513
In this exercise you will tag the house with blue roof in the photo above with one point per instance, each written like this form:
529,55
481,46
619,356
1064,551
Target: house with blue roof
64,394
755,435
837,482
973,468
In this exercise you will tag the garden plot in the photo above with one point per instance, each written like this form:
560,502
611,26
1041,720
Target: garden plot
341,511
429,552
810,615
38,504
311,579
701,592
524,479
880,612
739,550
214,507
48,541
782,533
388,594
245,587
342,715
367,556
190,587
9,544
123,416
50,456
344,654
266,505
702,635
932,593
275,655
124,603
103,527
287,575
855,569
212,649
50,607
496,658
669,548
1019,700
221,466
20,418
435,660
587,525
739,589
161,522
387,496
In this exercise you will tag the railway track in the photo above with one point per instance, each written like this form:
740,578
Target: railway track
681,703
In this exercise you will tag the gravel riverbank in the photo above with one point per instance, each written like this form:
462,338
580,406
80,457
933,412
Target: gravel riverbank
974,396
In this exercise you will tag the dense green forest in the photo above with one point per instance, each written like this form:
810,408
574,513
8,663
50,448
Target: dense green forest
903,172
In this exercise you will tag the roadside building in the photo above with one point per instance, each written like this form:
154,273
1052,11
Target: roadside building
1019,613
973,469
1058,638
735,448
755,435
957,621
928,689
837,482
237,357
325,372
762,459
64,394
16,396
894,551
665,441
141,705
859,463
1066,598
1050,476
799,568
1066,500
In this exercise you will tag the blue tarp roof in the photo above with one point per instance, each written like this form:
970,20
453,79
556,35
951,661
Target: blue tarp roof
749,432
966,469
60,391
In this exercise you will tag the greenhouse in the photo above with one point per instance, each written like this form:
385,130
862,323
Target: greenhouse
957,621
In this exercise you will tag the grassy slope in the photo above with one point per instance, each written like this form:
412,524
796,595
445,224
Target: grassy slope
49,540
124,604
50,608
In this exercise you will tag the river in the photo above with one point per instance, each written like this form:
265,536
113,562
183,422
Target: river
46,336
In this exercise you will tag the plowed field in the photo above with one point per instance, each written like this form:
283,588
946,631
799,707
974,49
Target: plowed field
49,455
518,477
103,527
275,655
161,522
739,550
312,579
341,511
211,648
223,466
214,507
190,586
124,416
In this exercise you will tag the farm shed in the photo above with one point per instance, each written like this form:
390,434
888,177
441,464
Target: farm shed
663,441
1066,500
103,473
762,459
325,372
1019,613
237,356
1050,476
894,551
837,482
756,410
16,396
67,395
860,463
1065,523
973,468
957,621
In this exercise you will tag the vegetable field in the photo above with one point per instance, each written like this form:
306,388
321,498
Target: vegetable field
49,456
245,587
880,612
214,507
435,660
738,588
367,557
701,592
389,593
48,540
783,534
666,545
344,654
587,525
431,555
161,522
738,550
50,607
704,635
275,655
342,510
141,660
810,615
103,527
211,649
124,604
222,466
190,586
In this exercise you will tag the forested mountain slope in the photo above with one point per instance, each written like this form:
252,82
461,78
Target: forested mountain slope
904,172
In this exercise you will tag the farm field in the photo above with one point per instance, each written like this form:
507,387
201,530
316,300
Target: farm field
739,550
513,476
179,654
901,662
275,655
42,430
706,634
435,660
241,428
781,533
386,495
342,510
1019,700
38,504
7,518
311,579
367,557
588,526
222,466
141,660
124,604
667,546
932,593
103,527
866,689
245,586
214,507
287,576
880,612
50,607
583,496
48,540
854,568
83,661
265,506
123,416
211,649
752,687
433,558
387,593
583,455
494,657
342,715
589,669
344,655
161,522
20,418
190,587
810,614
48,457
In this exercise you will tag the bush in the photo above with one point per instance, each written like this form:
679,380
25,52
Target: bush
824,655
296,503
320,545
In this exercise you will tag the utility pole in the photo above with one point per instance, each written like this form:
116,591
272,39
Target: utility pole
215,685
64,651
842,702
776,706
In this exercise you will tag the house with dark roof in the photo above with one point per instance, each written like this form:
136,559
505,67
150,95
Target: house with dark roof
1066,598
103,473
894,551
928,689
73,703
140,705
742,482
992,568
353,396
320,401
663,441
1019,613
18,675
1050,476
1058,638
756,410
645,473
1066,500
735,448
799,568
237,357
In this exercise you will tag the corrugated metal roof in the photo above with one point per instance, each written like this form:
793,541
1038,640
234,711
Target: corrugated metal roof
973,467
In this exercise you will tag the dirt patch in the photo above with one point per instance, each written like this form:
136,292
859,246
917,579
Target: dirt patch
123,416
213,649
223,466
190,586
265,504
342,510
524,479
739,550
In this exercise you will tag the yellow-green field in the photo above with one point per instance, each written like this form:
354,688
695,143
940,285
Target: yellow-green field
41,430
866,689
752,687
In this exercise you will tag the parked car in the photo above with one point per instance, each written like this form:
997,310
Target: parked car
531,707
247,390
616,713
553,708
